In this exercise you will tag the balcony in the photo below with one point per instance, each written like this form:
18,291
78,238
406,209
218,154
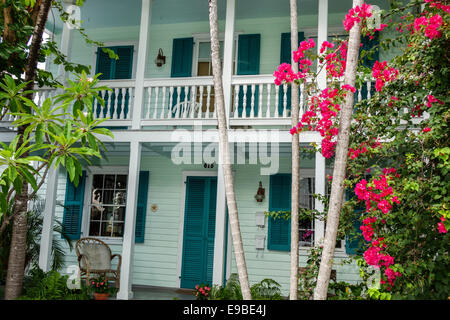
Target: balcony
172,102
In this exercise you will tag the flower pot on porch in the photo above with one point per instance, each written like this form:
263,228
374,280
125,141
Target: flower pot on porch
101,296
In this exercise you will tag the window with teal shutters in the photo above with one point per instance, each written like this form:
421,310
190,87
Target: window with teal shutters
279,230
112,69
249,46
73,208
141,210
354,242
285,57
182,51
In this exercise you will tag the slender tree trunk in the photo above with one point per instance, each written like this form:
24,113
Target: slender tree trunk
340,164
293,295
16,262
225,152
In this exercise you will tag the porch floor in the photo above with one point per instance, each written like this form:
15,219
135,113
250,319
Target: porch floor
161,293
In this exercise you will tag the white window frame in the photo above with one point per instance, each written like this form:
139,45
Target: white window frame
206,37
135,45
310,173
91,171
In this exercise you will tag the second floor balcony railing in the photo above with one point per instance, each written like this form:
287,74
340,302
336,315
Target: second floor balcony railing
169,102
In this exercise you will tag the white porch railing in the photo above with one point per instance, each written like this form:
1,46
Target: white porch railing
179,101
256,101
118,103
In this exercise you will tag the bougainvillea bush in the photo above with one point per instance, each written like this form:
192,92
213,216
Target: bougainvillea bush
398,158
403,184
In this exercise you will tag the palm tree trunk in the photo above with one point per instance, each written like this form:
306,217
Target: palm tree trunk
340,164
225,152
293,294
16,262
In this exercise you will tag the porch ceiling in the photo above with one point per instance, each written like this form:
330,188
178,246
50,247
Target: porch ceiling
119,13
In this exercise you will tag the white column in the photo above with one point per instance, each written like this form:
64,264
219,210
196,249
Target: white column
228,52
319,188
126,275
146,13
66,49
322,35
45,252
220,237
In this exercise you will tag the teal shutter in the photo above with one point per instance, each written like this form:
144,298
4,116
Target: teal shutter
141,210
112,69
279,230
73,208
124,66
199,231
353,243
182,51
104,65
249,46
286,57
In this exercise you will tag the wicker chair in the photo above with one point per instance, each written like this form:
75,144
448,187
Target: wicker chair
94,258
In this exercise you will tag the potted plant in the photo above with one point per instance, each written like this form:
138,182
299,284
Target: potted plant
202,292
101,288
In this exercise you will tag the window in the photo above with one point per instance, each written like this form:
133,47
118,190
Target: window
204,63
107,205
306,201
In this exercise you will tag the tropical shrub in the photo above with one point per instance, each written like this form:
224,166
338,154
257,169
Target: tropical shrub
34,221
266,289
40,285
402,184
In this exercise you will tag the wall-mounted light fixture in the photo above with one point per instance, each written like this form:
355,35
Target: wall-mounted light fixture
160,59
260,194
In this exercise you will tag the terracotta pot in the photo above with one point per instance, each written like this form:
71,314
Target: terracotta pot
101,296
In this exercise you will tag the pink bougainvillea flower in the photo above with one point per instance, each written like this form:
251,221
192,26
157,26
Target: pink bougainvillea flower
432,99
349,88
427,129
429,25
383,73
284,74
441,226
326,45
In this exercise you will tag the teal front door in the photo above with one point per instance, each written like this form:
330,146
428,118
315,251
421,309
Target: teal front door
199,231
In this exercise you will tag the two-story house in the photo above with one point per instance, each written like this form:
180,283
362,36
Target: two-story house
157,197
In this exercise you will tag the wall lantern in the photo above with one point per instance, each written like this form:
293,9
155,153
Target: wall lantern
160,59
260,194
